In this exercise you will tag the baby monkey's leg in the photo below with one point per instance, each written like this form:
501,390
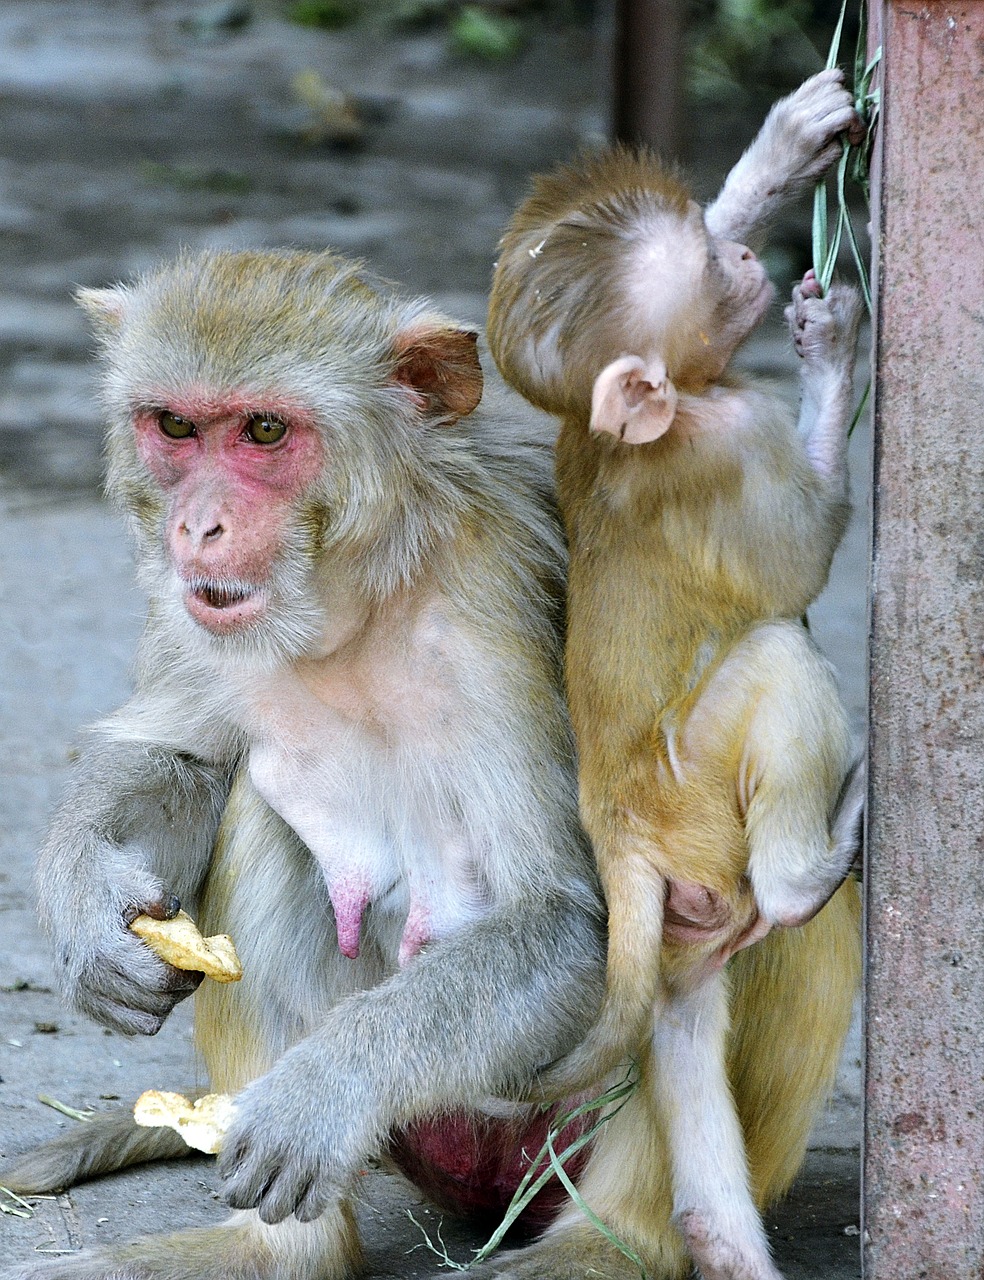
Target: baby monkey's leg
800,795
712,1201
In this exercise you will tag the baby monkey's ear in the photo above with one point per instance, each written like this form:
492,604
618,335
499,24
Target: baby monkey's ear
633,399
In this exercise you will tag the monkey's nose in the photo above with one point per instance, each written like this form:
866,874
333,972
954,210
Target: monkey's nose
210,534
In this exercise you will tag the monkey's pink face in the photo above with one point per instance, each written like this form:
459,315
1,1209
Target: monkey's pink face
232,474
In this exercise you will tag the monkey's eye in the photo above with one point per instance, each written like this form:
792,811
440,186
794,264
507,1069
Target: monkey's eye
264,429
174,426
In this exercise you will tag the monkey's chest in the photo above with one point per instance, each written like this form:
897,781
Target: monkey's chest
380,808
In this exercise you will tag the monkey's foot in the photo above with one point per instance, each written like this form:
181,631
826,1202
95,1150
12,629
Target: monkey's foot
241,1249
721,1259
582,1253
824,328
793,899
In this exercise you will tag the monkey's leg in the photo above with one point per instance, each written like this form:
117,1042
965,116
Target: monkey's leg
792,998
801,820
241,1249
774,705
712,1203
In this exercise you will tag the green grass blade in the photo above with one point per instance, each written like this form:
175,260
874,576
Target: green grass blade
862,405
819,229
532,1182
836,40
590,1214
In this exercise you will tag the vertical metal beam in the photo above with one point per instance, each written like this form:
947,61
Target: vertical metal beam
924,1124
647,70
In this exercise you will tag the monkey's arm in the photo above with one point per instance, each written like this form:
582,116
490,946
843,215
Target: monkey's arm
133,834
800,140
472,1016
825,333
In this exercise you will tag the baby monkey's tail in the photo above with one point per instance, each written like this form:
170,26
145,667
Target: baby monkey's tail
635,893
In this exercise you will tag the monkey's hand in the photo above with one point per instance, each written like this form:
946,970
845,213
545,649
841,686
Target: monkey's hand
825,332
137,827
299,1134
107,971
800,140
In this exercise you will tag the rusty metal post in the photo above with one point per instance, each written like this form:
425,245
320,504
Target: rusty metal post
924,1124
647,70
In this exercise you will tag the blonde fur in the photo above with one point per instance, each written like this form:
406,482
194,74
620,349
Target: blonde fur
713,748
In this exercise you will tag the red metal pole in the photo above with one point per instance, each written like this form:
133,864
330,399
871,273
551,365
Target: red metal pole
924,1123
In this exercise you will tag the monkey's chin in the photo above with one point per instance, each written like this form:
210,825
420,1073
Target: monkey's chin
225,616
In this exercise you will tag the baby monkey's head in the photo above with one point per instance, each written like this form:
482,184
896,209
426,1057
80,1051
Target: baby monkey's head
610,294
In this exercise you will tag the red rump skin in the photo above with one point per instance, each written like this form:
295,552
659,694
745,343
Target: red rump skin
471,1164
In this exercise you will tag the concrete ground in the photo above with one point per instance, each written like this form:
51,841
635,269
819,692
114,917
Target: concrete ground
124,135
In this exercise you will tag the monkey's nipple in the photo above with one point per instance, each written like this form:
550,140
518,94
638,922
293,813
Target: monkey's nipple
349,902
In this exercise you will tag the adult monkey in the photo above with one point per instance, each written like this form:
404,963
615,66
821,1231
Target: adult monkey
354,587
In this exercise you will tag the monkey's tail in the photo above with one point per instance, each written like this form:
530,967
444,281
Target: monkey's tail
111,1140
635,894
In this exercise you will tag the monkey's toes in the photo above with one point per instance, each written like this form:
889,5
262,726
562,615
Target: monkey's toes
808,287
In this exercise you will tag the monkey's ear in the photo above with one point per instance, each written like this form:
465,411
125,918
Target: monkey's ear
439,366
104,307
633,400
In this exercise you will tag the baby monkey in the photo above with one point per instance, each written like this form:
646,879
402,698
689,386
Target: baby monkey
716,777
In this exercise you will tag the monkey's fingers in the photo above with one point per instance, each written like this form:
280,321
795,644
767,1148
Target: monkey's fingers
178,942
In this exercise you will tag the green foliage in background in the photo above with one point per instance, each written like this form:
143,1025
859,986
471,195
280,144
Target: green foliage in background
329,15
753,51
494,31
481,33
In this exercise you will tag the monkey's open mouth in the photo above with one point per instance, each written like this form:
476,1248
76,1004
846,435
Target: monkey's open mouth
220,597
223,606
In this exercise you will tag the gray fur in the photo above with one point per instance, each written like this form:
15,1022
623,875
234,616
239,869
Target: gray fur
112,1140
135,827
344,1049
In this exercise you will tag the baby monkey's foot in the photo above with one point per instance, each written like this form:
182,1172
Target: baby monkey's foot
824,327
728,1256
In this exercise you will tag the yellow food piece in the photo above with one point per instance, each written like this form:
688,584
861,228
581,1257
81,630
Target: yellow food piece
203,1124
179,942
